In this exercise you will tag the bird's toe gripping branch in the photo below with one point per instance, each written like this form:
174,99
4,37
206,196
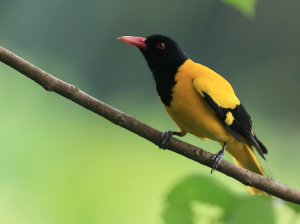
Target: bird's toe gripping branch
168,135
216,159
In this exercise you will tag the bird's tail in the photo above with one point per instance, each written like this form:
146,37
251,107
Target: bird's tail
245,157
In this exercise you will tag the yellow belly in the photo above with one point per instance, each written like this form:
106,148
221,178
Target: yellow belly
193,115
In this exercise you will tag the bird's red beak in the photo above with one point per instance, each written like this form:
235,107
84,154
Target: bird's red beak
135,41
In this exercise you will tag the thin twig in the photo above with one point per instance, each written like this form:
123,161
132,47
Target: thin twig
50,83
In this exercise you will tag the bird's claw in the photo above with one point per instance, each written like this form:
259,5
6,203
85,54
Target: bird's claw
164,137
216,159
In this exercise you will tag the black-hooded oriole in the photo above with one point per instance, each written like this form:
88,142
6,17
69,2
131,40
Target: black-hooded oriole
201,102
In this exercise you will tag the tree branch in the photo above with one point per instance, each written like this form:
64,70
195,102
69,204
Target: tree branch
50,83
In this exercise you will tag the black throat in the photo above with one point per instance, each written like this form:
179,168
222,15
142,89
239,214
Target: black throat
164,77
164,56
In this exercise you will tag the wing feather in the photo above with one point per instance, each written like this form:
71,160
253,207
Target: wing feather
222,102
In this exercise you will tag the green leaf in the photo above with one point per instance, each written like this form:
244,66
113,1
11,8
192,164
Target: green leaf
247,7
200,199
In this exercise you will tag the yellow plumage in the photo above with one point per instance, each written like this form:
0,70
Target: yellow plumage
200,101
193,115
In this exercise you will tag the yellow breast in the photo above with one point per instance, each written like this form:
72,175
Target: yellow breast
190,111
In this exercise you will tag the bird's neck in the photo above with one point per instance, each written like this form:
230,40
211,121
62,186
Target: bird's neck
164,77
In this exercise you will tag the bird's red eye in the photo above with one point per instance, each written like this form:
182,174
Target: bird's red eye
161,45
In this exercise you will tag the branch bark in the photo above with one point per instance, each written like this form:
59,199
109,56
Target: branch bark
50,83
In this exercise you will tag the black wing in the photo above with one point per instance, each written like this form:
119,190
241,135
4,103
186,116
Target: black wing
241,125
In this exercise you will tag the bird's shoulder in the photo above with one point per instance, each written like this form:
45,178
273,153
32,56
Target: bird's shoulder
205,80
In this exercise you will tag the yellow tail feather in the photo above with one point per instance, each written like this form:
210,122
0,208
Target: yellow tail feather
244,156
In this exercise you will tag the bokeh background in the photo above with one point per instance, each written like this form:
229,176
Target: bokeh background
62,164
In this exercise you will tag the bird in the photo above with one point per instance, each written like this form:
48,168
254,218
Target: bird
200,102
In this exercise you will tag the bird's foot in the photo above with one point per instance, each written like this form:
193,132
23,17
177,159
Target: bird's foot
216,159
167,135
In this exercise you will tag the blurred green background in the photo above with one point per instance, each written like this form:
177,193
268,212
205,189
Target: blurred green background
60,163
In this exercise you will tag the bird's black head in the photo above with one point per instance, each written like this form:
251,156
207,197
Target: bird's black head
160,52
164,56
